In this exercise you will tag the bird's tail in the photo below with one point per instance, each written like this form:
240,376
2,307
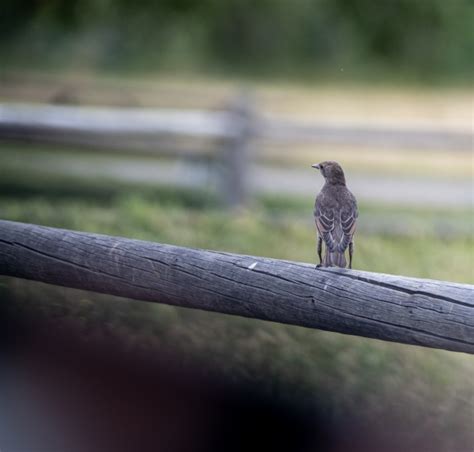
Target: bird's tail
335,259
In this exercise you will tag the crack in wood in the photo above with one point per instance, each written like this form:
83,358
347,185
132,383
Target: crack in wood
411,328
400,288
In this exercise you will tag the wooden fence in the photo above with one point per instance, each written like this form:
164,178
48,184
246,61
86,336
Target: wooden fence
234,130
392,308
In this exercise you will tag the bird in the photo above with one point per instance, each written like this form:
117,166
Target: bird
335,215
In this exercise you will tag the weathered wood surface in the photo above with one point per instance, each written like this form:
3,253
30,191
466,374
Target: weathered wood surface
392,308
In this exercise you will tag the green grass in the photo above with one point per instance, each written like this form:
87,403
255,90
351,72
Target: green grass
382,382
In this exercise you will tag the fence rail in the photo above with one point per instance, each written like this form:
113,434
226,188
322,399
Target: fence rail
392,308
285,131
36,121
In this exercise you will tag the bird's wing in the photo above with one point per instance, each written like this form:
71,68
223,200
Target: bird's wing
326,225
348,225
336,227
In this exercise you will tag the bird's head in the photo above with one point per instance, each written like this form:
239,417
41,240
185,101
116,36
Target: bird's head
331,171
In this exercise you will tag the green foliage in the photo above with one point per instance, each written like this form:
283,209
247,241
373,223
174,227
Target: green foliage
422,39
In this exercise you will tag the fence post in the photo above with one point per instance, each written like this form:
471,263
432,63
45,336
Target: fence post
236,153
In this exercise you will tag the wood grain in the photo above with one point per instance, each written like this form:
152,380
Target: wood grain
392,308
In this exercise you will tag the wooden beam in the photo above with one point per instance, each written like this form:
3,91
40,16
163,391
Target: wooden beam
116,121
381,138
74,124
392,308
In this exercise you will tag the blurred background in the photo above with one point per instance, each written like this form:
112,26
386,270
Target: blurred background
195,124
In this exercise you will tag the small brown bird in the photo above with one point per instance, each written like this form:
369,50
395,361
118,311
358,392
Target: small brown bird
335,214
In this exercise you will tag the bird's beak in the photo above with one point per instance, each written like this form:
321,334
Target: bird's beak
315,166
